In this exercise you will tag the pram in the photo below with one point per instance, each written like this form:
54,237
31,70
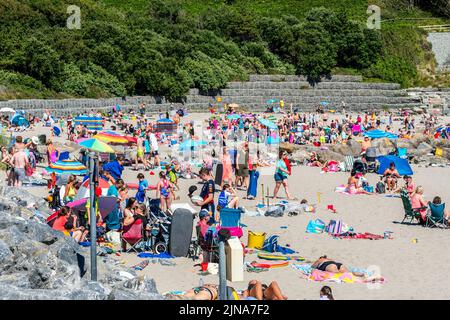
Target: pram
160,227
370,156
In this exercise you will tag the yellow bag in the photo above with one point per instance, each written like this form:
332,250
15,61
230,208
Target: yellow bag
256,240
439,152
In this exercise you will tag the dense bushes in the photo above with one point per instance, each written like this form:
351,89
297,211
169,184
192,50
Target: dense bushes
164,50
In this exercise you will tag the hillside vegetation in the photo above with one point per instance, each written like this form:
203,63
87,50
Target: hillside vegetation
163,48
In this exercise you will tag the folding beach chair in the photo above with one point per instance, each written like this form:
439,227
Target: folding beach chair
435,216
132,235
349,160
230,219
410,213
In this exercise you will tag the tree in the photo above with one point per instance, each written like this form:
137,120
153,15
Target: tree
315,53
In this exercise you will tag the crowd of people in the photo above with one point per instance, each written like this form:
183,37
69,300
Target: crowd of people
230,144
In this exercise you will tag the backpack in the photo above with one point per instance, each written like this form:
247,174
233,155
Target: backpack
380,187
270,244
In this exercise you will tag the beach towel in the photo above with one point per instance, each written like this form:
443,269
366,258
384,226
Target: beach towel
157,256
315,226
341,277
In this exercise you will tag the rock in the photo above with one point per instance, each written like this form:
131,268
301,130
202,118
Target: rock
37,262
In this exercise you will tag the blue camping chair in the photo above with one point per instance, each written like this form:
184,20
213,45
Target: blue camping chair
230,219
435,216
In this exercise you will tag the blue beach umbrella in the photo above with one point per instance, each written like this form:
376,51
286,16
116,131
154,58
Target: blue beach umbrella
267,123
191,144
377,134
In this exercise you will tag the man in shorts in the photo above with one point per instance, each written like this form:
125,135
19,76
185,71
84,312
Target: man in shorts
242,171
19,161
154,149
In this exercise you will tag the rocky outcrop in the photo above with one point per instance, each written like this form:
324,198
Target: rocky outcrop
37,262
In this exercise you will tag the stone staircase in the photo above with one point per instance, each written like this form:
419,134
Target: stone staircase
252,94
295,90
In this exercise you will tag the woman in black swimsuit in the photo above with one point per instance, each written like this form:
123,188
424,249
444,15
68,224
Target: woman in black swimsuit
325,264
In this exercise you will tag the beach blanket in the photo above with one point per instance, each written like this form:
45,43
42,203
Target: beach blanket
156,256
366,235
342,190
341,277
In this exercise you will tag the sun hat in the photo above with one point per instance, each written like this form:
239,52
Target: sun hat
35,140
203,213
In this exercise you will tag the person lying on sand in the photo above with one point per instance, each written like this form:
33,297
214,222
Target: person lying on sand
255,291
325,264
263,292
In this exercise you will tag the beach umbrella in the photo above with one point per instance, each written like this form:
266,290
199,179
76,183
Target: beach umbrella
191,144
376,134
111,138
233,116
267,123
105,205
7,110
83,191
67,166
402,165
96,145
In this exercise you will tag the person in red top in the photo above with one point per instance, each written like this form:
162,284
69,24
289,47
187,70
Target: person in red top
61,220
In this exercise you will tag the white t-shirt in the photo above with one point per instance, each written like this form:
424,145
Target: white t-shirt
153,142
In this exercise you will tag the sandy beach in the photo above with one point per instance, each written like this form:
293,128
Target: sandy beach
412,270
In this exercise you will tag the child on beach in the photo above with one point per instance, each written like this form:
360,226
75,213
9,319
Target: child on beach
143,185
224,197
326,293
164,191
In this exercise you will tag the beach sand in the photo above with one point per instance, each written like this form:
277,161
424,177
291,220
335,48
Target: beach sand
412,270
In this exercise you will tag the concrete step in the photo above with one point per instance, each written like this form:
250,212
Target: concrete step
278,77
306,85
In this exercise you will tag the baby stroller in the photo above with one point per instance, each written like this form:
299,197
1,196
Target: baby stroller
160,227
370,156
360,166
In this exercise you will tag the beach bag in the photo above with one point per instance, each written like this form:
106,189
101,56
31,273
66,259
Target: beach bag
335,227
317,226
274,211
380,187
270,244
28,170
368,188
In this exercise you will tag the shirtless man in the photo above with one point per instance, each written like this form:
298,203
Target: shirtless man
18,161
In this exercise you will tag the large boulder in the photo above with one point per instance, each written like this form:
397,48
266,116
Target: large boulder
37,262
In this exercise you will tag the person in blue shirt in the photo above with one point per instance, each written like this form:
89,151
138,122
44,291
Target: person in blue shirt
112,220
115,168
143,185
281,175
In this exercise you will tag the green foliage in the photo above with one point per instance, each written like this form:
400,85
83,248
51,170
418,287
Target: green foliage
315,52
165,47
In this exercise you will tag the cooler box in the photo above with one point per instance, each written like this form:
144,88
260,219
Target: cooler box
235,260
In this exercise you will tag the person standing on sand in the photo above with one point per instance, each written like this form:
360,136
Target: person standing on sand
19,161
281,175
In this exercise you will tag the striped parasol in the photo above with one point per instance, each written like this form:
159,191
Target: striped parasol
110,137
67,167
96,145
